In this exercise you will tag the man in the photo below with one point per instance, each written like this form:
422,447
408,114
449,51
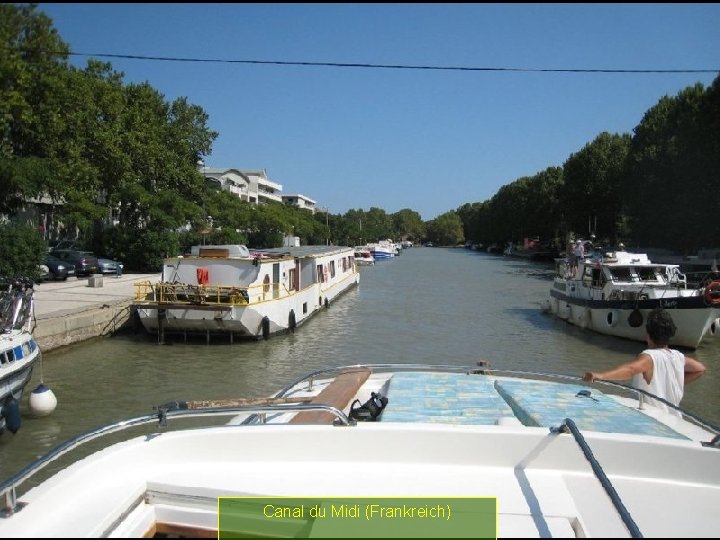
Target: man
660,370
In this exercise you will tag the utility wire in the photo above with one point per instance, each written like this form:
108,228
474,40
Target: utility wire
386,66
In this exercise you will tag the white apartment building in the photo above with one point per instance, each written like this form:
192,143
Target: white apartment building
249,185
301,201
253,186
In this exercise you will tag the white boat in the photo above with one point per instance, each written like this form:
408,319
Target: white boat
383,250
229,290
614,295
551,456
363,256
19,351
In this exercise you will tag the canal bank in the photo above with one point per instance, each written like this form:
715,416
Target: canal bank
74,310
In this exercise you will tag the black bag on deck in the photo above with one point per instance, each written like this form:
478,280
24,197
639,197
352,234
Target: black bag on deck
370,410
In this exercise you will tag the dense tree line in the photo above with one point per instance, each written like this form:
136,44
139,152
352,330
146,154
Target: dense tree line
658,187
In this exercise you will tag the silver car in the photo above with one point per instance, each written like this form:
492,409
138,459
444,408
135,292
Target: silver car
109,266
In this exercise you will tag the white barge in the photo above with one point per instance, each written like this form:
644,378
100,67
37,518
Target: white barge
233,291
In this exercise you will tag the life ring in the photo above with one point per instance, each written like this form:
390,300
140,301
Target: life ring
712,293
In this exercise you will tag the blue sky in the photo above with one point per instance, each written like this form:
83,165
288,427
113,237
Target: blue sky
427,140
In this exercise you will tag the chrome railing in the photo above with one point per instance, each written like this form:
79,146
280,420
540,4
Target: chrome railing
8,488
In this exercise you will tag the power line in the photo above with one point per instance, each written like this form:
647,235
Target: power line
386,66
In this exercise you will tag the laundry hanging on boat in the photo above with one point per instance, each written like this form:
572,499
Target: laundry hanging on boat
203,276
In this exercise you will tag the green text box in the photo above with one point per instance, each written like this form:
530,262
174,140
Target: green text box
357,517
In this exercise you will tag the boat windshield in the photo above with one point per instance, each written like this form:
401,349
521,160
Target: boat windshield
638,273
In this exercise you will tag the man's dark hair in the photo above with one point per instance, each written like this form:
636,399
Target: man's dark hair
660,326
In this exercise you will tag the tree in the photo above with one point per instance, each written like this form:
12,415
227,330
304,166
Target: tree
27,251
408,225
32,61
445,230
673,171
593,183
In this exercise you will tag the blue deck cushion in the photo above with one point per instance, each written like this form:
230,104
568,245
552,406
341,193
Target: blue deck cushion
443,398
548,404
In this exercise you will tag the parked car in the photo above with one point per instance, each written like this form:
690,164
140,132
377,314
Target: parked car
109,266
43,273
58,269
86,264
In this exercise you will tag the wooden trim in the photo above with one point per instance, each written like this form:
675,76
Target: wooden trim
338,394
215,253
182,531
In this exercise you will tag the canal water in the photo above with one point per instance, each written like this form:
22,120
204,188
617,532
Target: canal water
429,305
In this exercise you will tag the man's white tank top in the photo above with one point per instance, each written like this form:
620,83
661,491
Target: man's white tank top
668,379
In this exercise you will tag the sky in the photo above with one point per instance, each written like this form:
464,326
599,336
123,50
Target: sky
429,140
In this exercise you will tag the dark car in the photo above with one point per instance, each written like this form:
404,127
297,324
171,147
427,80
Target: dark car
86,264
58,269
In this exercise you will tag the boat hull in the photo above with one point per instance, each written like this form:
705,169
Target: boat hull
244,321
19,353
692,317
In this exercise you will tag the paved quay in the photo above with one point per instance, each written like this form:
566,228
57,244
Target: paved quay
82,308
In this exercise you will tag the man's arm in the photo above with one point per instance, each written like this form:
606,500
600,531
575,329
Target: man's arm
693,369
641,364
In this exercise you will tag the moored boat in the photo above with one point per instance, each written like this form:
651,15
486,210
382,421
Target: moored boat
363,256
383,250
613,295
19,351
232,291
556,457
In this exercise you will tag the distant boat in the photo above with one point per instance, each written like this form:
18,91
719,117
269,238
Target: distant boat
232,291
613,295
384,249
363,256
19,352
